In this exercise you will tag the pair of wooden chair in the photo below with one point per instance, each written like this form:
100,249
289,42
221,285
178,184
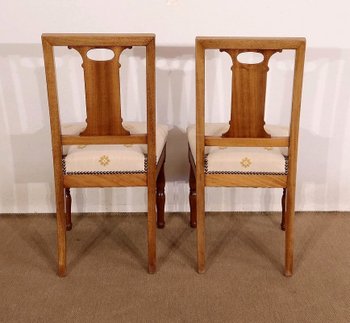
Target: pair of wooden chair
107,152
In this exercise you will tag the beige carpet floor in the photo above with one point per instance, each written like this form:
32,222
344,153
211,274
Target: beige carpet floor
108,282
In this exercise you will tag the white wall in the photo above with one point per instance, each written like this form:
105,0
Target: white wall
26,180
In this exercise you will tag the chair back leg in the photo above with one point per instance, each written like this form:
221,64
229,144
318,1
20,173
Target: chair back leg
151,228
289,234
61,231
200,202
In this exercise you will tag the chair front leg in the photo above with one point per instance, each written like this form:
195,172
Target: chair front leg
68,209
283,202
160,198
192,199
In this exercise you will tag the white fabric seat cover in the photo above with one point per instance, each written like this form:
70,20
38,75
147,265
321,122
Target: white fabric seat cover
110,159
240,160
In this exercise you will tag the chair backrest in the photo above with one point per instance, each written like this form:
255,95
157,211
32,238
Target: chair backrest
248,92
102,81
102,91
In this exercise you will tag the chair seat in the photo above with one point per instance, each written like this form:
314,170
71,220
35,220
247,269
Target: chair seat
110,159
240,160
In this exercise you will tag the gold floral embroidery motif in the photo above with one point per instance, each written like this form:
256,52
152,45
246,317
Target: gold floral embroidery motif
246,162
268,148
104,160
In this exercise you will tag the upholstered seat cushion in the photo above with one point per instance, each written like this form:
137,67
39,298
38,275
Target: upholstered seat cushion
109,159
240,160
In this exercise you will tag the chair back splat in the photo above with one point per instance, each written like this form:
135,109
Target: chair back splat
248,95
102,90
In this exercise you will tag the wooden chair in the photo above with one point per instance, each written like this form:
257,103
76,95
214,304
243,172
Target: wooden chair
254,155
105,151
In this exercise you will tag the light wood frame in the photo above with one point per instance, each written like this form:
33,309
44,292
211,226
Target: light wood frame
199,179
97,135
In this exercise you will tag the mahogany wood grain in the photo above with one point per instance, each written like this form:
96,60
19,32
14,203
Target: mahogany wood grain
283,202
192,198
68,208
160,198
161,161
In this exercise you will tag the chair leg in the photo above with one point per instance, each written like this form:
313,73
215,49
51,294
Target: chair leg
61,231
151,226
289,234
160,198
192,199
283,202
68,203
200,228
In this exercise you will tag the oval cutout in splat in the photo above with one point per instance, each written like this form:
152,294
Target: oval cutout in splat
100,54
250,58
